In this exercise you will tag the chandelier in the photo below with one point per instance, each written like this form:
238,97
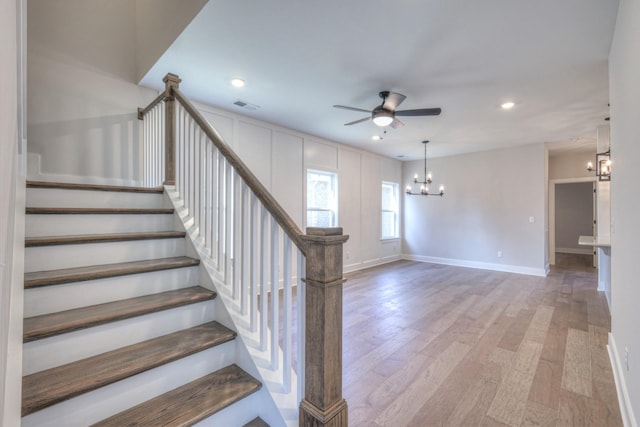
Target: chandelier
603,166
424,184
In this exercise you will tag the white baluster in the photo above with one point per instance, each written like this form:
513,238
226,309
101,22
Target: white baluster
228,223
286,314
220,212
264,266
244,249
275,279
253,263
300,303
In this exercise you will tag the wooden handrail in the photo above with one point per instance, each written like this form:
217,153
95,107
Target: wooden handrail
322,404
277,212
143,111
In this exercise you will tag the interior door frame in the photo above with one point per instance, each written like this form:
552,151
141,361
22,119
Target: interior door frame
552,210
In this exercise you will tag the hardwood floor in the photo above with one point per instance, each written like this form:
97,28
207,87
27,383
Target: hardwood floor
434,345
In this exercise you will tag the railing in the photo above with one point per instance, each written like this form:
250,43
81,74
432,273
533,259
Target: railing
282,288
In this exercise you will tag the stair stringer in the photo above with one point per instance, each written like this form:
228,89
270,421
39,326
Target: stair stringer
277,407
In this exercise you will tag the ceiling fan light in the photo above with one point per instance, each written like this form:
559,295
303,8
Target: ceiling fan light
382,118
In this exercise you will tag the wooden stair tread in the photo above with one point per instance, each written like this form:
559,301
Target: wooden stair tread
256,422
46,388
94,187
77,274
190,403
97,211
47,325
98,238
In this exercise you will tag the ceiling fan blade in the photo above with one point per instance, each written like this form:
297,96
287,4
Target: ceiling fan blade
393,101
396,124
344,107
420,112
357,121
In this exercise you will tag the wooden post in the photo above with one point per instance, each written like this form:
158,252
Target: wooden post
171,81
323,404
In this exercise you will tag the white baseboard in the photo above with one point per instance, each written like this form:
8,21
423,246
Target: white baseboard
626,410
371,263
34,173
577,251
530,271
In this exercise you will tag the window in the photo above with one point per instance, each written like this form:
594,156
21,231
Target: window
322,199
390,226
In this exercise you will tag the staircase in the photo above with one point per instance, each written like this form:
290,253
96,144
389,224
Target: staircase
119,329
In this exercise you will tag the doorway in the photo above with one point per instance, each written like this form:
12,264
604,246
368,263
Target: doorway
571,214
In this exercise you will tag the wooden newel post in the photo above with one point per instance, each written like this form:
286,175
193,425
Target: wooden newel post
171,81
323,404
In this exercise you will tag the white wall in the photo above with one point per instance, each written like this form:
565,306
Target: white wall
279,157
75,45
624,69
158,24
573,216
571,165
489,198
11,218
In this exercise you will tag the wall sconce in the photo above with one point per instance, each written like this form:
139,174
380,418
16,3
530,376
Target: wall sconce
603,162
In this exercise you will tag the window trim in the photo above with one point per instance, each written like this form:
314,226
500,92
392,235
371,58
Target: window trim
335,175
396,192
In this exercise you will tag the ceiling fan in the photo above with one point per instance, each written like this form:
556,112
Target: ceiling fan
385,113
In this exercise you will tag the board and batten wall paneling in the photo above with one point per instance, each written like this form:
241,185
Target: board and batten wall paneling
320,155
292,153
223,124
287,179
371,209
624,69
350,205
483,220
254,148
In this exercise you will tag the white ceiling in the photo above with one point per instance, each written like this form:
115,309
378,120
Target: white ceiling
299,58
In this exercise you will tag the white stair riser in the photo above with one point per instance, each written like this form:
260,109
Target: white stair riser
238,414
61,198
56,257
51,299
72,346
99,404
39,225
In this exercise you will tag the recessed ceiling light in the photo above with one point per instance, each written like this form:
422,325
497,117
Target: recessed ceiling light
376,137
237,82
508,105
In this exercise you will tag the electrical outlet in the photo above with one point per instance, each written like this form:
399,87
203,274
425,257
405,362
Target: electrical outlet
347,255
626,358
532,219
499,254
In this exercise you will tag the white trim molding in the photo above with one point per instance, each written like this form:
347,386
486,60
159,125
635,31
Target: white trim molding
552,210
626,410
370,263
580,251
529,271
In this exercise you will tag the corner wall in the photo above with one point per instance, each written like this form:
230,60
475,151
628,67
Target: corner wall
11,215
74,45
489,199
624,69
